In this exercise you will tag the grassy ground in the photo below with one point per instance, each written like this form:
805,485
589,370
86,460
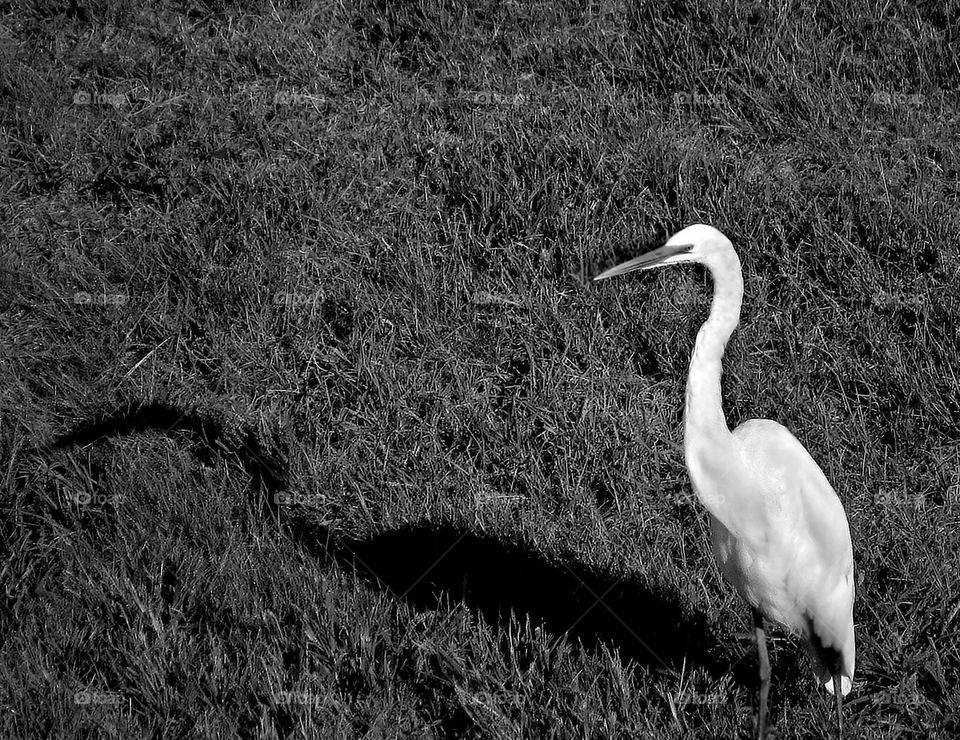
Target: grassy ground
312,424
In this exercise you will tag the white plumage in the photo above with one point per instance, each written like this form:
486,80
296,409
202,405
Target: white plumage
779,531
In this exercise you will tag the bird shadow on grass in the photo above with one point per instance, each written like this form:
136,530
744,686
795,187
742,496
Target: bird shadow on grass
428,564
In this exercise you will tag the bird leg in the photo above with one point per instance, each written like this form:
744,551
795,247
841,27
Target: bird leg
764,673
837,693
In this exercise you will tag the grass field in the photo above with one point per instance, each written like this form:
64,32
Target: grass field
312,424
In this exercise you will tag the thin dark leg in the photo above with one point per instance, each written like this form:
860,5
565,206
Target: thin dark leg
837,693
764,673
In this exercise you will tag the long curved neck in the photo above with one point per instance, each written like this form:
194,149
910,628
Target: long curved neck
704,413
707,439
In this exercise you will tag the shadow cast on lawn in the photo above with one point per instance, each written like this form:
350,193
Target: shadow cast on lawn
210,437
426,564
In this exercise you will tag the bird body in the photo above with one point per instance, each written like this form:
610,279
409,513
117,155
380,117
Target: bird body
792,559
779,532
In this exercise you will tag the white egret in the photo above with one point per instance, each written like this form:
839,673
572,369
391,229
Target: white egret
779,531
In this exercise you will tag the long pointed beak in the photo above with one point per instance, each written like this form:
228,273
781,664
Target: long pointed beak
655,258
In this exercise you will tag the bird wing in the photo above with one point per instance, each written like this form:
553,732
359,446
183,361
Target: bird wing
801,569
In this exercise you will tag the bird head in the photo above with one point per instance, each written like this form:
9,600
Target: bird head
696,243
